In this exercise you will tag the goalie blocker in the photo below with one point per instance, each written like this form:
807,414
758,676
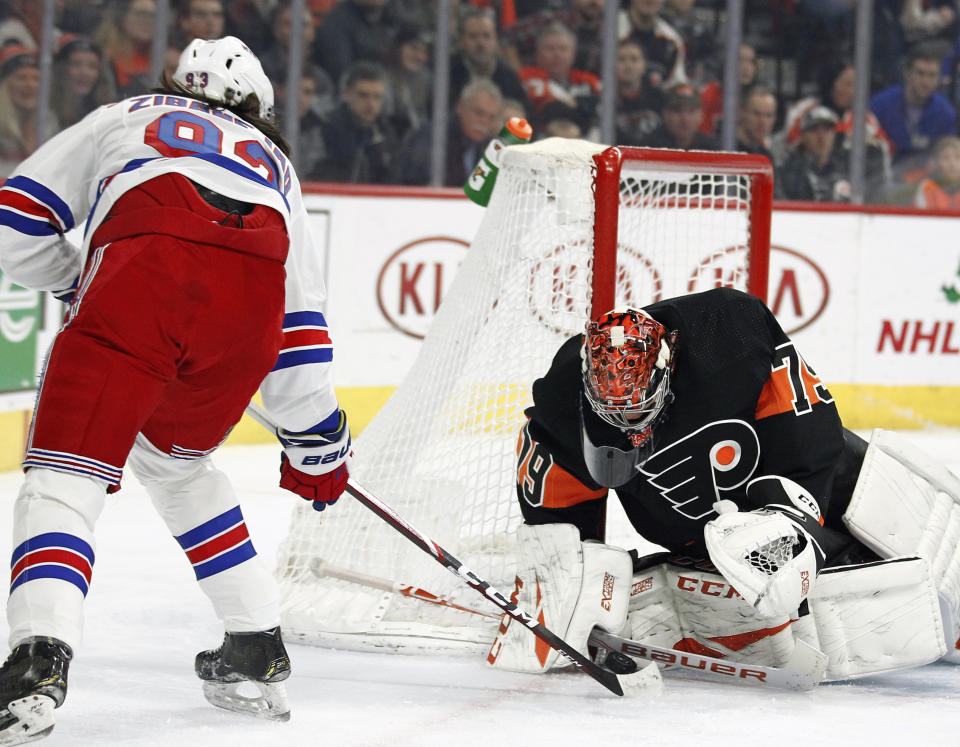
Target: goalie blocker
571,587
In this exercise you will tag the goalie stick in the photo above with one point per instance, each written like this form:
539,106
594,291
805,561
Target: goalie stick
605,677
803,672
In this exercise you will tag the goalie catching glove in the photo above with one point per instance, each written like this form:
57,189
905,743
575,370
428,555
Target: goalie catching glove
315,465
770,556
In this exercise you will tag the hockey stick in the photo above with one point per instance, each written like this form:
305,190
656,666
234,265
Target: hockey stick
322,569
605,677
804,671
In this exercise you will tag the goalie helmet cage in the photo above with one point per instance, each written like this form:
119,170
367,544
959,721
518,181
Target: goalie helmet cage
572,230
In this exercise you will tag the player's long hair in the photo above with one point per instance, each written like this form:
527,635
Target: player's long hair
248,110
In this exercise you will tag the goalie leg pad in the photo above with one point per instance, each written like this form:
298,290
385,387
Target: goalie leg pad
877,617
696,610
867,619
907,504
569,586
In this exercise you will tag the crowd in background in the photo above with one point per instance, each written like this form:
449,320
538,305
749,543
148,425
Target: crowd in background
365,96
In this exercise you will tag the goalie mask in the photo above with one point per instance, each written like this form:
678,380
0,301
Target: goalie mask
225,70
627,360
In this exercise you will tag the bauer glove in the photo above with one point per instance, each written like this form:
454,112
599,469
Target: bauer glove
315,465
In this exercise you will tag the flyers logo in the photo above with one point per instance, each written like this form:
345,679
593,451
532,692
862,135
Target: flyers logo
691,473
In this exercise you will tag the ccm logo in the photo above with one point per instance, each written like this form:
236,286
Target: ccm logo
607,591
641,586
710,588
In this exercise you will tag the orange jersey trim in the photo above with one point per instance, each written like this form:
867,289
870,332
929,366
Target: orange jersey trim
778,396
557,487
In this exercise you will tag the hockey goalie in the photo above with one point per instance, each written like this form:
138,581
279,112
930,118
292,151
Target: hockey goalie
725,447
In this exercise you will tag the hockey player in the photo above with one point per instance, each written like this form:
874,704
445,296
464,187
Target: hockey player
725,448
197,283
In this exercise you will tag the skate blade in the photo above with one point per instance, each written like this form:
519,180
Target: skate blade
27,720
271,703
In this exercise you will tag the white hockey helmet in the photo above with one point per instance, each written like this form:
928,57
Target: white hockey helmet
225,70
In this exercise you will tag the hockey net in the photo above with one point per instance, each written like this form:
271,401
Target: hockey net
571,228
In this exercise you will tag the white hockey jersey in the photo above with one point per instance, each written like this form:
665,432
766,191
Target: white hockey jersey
82,171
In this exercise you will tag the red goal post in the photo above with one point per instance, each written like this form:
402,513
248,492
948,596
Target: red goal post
755,169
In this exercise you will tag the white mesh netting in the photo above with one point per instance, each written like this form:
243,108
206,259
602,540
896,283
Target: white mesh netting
441,452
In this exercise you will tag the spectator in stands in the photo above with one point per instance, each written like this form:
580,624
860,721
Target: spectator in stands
560,120
930,22
824,30
815,171
359,143
80,82
662,43
513,108
315,101
941,190
19,96
200,19
583,17
478,57
276,58
914,114
699,40
79,16
126,36
355,30
21,22
638,104
246,19
554,78
681,122
756,120
317,98
836,85
476,120
409,81
711,95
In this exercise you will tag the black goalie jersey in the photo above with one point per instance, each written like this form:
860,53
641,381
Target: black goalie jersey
745,405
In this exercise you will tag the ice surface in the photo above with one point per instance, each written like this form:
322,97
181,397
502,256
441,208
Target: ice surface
132,681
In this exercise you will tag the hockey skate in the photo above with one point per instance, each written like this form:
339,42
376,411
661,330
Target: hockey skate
33,681
247,661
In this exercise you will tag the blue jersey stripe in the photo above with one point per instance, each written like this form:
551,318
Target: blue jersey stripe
208,529
45,195
301,357
304,319
72,470
51,571
228,560
80,460
53,539
29,226
229,164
